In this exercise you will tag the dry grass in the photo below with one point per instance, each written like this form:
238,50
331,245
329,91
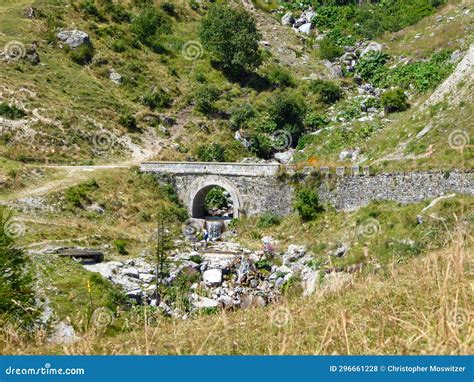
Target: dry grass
421,307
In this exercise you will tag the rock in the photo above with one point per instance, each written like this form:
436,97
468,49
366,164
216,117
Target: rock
285,157
147,278
294,252
131,272
115,77
95,208
31,55
212,277
250,301
309,281
73,38
136,295
340,251
287,19
456,56
305,28
349,154
63,334
372,47
30,12
203,302
283,270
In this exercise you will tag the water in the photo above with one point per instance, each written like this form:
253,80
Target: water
215,229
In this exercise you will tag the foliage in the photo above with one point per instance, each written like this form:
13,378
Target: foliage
16,292
231,35
307,204
215,198
205,97
268,219
10,112
82,55
211,153
129,121
76,195
328,50
240,116
280,76
149,25
261,145
327,90
371,64
156,99
121,247
316,121
394,100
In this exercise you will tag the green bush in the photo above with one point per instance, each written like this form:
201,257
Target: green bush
156,99
280,76
119,45
16,289
261,145
371,65
82,55
394,100
128,120
268,219
327,90
76,195
205,97
149,25
215,198
307,204
231,35
211,153
240,116
121,247
10,112
328,50
169,8
316,121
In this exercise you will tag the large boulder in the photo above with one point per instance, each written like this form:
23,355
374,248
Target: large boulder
372,47
200,302
73,38
212,277
294,252
287,19
285,157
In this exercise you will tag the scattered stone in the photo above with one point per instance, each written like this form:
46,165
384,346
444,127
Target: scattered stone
252,301
73,38
131,272
287,19
115,77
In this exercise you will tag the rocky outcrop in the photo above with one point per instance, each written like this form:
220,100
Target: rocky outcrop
73,38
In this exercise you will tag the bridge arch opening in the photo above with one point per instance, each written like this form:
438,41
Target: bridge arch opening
214,197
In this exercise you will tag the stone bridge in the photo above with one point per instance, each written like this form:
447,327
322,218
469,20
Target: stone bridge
257,188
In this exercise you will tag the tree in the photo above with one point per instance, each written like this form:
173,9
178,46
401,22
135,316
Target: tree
231,35
307,204
16,293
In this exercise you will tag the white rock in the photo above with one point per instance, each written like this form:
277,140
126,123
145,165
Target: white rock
204,302
73,38
131,272
305,28
309,281
115,77
146,277
287,19
372,47
285,156
212,277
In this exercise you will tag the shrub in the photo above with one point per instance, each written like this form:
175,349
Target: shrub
169,8
261,145
119,45
121,247
82,55
240,115
215,198
16,289
280,76
157,98
231,35
89,8
149,25
268,219
11,112
316,121
212,153
206,96
77,194
327,90
371,65
328,50
307,204
394,100
128,120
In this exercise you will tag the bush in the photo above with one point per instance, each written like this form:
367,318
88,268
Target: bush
231,35
16,289
128,120
215,198
149,26
327,90
371,65
316,121
307,204
205,97
261,145
11,112
169,8
268,219
156,99
82,55
212,153
328,50
394,100
280,76
240,116
121,247
119,45
76,195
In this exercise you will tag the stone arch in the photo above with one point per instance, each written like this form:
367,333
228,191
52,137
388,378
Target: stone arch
201,186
